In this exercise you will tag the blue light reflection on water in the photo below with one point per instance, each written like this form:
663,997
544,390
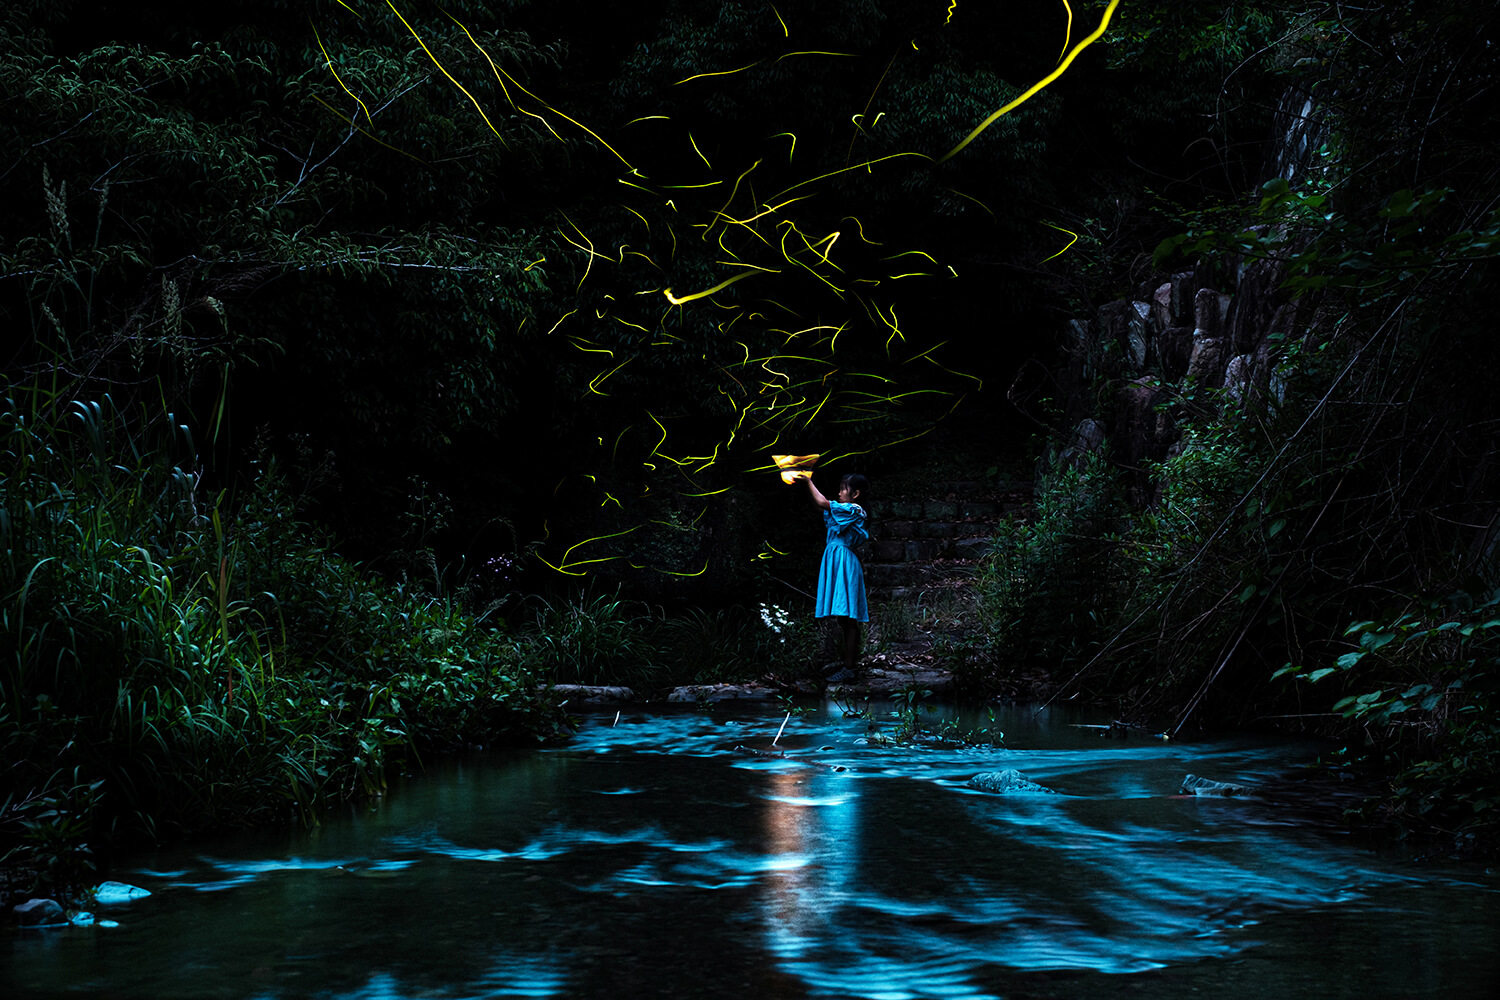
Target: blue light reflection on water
654,856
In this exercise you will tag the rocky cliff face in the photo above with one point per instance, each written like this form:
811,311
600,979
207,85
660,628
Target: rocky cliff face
1133,362
1181,332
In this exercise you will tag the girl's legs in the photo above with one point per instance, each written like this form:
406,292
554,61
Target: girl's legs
851,642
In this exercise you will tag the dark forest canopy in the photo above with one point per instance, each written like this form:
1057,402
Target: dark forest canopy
366,230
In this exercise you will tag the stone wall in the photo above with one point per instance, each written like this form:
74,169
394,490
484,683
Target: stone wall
1131,363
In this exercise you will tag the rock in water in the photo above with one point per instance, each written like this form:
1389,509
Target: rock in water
109,893
1194,785
1008,782
39,913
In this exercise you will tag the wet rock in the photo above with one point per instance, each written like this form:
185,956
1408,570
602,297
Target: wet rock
1137,333
1088,437
1238,376
1161,305
112,893
1008,782
590,694
722,692
1137,428
39,913
1253,307
1206,364
1174,347
1209,310
1194,785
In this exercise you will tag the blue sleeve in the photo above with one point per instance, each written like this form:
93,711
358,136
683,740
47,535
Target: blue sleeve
849,518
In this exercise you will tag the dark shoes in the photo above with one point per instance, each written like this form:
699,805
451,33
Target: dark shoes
845,676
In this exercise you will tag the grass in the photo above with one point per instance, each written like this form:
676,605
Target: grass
171,663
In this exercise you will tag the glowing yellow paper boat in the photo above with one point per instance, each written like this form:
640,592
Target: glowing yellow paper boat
794,467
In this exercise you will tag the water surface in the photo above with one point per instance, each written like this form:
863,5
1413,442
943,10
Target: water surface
653,855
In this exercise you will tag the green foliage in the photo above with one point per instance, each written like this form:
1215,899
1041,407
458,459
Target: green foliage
189,665
1048,582
605,639
1423,685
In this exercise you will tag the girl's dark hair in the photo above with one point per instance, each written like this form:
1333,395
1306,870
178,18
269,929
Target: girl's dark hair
855,482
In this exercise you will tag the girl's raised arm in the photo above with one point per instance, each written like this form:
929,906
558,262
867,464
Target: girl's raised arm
817,497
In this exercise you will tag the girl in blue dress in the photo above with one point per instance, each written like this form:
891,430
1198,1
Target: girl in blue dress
841,578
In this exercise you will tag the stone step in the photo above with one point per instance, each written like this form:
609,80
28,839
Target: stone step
886,575
942,510
930,529
910,550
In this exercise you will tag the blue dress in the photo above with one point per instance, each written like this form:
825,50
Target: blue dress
841,578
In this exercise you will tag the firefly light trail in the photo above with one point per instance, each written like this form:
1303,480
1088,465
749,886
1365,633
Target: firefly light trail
759,238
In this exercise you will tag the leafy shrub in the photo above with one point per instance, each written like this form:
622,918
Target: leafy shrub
599,639
193,666
1423,685
1046,586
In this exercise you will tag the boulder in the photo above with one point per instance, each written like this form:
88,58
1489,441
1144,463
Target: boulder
1194,785
1250,317
722,692
1161,306
1008,782
1137,334
1209,309
1088,437
1238,377
1206,364
1136,425
888,679
111,893
591,694
1174,348
39,913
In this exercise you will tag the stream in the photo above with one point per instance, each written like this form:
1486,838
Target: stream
653,856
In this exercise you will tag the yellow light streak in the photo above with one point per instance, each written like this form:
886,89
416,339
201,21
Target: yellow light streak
351,10
564,568
722,72
951,8
1067,35
1040,84
329,59
599,380
793,151
869,102
578,342
590,248
679,300
673,572
732,192
972,198
816,52
560,320
844,170
1064,249
443,70
784,29
368,135
498,72
909,253
700,153
638,215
